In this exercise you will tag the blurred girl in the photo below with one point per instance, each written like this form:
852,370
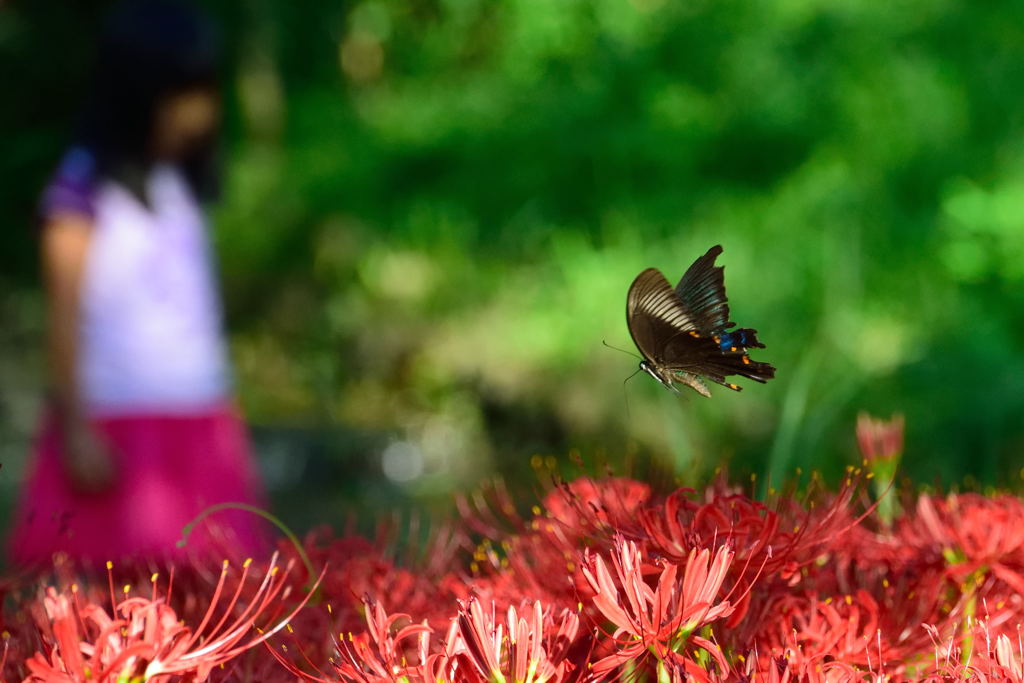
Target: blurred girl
140,435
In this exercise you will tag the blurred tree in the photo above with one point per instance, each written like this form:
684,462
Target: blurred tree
435,208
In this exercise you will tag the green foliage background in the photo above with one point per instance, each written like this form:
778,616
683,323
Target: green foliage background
434,208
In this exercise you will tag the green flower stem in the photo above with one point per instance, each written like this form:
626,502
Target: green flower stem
883,475
970,609
245,507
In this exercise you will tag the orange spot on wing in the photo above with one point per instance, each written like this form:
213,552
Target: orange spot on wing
746,360
694,334
733,386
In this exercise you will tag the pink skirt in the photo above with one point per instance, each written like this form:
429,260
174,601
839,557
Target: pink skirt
169,469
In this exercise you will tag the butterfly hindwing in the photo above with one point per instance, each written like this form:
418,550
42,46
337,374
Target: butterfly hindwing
718,368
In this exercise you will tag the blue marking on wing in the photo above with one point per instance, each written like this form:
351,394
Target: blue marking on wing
737,338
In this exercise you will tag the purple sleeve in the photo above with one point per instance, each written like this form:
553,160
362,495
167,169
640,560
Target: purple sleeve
72,187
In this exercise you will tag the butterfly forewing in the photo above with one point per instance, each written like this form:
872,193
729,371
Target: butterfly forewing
652,296
661,326
702,291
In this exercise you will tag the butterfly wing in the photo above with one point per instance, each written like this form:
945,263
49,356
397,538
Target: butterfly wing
671,338
717,366
702,292
662,327
655,315
703,356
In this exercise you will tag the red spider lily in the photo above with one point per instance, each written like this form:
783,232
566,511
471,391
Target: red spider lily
782,540
532,648
147,640
533,561
779,543
781,668
605,507
378,654
996,659
844,629
660,620
880,439
881,445
395,588
538,565
1011,658
584,507
973,532
573,515
610,581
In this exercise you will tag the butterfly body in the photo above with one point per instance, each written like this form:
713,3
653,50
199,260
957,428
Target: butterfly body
684,333
669,379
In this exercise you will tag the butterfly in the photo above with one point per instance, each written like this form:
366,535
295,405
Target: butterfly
683,333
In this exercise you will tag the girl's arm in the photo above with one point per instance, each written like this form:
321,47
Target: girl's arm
65,244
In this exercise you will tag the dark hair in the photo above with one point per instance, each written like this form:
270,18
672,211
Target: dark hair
149,49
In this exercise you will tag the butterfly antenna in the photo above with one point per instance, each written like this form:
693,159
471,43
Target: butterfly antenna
625,394
628,353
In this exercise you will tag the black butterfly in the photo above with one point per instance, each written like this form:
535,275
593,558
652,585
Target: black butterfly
684,334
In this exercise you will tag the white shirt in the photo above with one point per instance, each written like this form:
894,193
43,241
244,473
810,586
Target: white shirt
150,321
